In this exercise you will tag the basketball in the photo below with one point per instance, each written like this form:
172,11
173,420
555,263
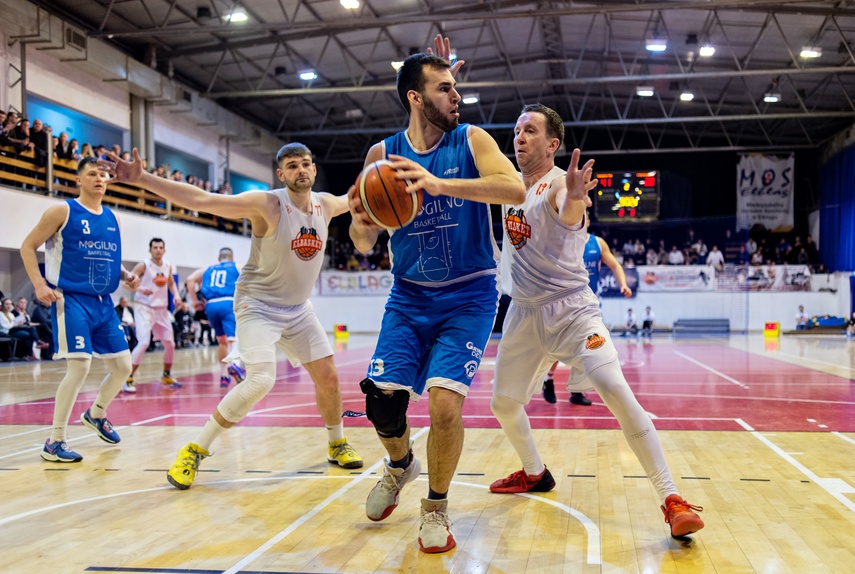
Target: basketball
160,280
384,198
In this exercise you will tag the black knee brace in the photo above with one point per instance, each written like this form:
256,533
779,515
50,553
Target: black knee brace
387,412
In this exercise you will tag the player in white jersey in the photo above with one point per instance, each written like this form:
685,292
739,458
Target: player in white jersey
554,315
152,311
289,232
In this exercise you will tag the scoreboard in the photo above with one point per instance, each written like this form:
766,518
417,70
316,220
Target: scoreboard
627,196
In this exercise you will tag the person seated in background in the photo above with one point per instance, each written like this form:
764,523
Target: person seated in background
44,328
676,257
39,141
126,318
716,258
183,325
801,319
631,325
206,335
649,320
9,326
25,321
64,149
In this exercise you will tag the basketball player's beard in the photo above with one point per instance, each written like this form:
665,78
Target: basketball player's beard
437,118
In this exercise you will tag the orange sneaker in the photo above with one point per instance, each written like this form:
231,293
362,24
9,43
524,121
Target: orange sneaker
681,516
519,481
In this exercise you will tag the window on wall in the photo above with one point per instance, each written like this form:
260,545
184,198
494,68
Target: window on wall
185,163
241,183
79,126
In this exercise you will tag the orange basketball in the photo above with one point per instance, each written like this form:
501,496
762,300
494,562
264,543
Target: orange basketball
160,280
384,198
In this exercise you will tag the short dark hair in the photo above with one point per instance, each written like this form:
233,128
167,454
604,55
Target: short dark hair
554,123
293,149
156,240
411,75
84,162
226,253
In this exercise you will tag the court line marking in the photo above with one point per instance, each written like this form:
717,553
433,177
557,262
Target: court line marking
840,435
834,486
710,369
40,429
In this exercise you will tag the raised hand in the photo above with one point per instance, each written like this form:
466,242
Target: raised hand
442,48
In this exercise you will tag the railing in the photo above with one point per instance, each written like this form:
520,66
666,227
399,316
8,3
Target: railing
59,178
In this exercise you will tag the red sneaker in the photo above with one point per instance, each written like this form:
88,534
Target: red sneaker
522,482
680,515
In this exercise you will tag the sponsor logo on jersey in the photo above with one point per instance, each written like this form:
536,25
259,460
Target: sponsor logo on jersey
450,171
519,232
595,342
100,245
471,368
476,352
307,244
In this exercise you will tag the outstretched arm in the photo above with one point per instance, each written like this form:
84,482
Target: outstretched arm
571,193
609,259
363,232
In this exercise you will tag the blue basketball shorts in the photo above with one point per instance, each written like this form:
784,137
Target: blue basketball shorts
221,314
86,325
434,336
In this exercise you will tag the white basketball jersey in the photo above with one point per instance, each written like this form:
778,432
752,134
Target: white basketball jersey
541,256
159,299
283,268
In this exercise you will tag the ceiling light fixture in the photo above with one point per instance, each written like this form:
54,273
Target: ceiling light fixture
349,4
706,51
644,91
470,98
354,114
656,45
811,52
308,75
397,64
236,16
687,96
772,97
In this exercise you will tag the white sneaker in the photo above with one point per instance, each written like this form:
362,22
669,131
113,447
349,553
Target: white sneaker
129,387
383,498
435,531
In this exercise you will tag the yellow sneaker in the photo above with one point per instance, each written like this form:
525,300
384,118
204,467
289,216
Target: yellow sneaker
183,471
170,382
342,454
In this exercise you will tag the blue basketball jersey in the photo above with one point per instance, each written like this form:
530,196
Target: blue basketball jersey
85,255
592,258
219,280
451,239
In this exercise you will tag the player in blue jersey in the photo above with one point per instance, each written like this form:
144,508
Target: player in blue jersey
596,253
83,265
216,285
444,297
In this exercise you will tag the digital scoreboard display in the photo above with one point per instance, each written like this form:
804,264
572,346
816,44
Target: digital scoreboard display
627,196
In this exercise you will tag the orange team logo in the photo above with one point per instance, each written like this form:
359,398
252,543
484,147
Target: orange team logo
595,342
307,244
160,280
519,232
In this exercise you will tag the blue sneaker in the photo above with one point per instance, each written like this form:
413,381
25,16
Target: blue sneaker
225,382
238,372
102,428
58,452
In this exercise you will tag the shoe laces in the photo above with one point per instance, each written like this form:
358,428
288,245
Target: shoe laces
106,426
344,449
193,459
678,507
436,518
518,477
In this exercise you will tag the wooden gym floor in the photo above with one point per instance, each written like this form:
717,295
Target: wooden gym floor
760,433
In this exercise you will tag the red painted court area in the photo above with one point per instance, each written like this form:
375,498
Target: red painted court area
683,387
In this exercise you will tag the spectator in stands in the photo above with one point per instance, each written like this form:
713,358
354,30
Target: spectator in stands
652,258
20,137
183,325
676,257
743,258
44,328
757,257
649,320
716,258
850,328
781,250
126,317
801,319
126,155
116,149
630,325
10,325
352,263
86,151
663,256
9,124
812,251
700,248
751,246
25,320
63,149
177,176
39,141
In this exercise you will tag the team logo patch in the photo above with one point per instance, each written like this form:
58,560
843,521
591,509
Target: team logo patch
471,367
519,232
594,342
307,244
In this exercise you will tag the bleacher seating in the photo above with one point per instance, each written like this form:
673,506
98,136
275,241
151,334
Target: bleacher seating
701,327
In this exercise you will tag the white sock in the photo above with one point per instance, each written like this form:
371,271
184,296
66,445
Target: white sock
336,432
209,434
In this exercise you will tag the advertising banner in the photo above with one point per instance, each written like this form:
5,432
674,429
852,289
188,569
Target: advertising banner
349,283
661,278
764,192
